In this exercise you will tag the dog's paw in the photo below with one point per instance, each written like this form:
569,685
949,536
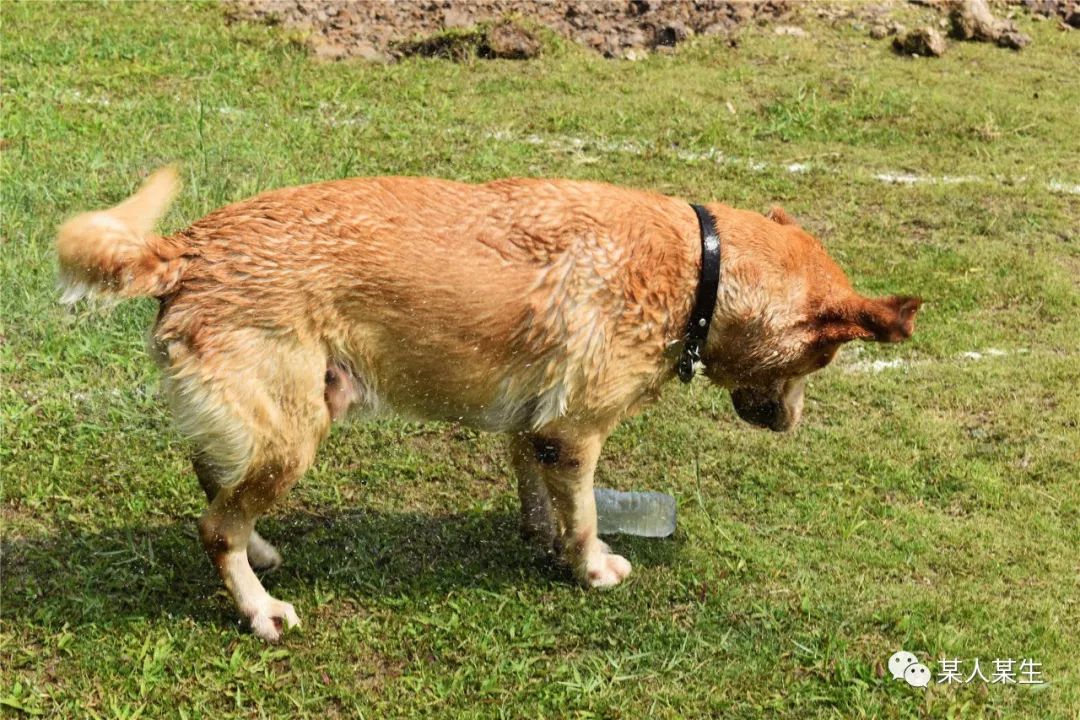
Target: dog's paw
261,554
269,621
606,570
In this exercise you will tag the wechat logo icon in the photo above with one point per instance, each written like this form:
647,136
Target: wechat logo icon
905,666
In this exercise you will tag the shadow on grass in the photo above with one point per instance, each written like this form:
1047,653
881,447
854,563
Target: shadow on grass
131,572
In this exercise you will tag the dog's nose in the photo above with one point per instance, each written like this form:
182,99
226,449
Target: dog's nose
758,411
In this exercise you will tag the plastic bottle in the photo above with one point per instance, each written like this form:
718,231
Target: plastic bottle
646,514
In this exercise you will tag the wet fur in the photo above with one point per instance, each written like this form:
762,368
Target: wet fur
544,309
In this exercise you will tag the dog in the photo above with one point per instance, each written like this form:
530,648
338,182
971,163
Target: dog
547,310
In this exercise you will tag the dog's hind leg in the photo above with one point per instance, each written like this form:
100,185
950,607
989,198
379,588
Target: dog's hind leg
261,554
226,528
257,420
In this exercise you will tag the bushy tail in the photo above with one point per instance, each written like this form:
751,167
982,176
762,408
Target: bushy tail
115,251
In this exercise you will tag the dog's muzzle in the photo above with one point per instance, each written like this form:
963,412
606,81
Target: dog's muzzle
760,411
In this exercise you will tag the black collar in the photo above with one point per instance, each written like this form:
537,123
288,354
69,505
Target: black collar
708,284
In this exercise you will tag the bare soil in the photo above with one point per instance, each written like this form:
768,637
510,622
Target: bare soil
386,30
380,30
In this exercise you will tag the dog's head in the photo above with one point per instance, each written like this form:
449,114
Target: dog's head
784,309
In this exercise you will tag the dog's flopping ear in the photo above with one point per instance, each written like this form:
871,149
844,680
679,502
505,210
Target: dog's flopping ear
888,319
779,216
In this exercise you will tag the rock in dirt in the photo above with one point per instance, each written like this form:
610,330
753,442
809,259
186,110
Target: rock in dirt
510,41
925,42
455,18
972,20
1013,40
883,30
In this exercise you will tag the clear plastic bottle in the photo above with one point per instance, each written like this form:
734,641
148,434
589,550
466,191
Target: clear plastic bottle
646,514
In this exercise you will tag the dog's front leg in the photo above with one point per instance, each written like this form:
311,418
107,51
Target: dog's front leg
567,466
537,516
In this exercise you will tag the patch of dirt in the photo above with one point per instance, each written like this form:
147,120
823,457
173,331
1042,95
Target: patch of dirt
975,20
503,39
1066,11
384,31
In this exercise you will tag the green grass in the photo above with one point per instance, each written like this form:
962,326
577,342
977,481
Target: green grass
933,507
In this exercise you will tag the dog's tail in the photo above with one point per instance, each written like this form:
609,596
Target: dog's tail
115,251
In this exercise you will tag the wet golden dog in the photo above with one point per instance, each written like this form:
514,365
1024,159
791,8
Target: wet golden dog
544,309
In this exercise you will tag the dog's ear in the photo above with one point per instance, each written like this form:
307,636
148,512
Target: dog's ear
888,319
779,216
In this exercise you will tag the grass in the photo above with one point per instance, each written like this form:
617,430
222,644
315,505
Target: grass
932,506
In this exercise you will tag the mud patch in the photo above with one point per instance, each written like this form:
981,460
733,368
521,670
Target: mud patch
379,30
